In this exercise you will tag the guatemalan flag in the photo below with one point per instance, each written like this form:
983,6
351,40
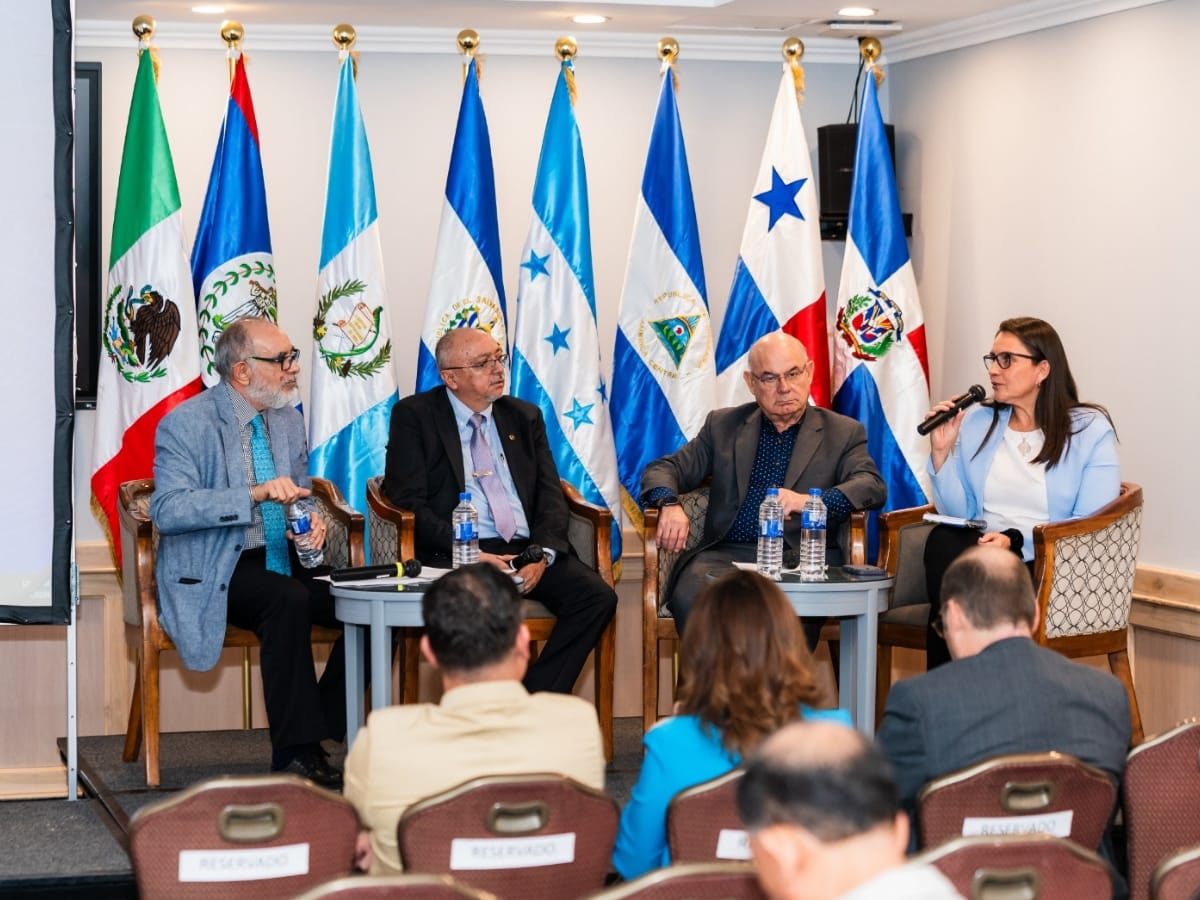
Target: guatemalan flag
353,384
233,273
664,383
779,281
467,290
556,349
881,370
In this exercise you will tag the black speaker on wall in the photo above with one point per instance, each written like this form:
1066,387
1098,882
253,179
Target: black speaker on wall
835,159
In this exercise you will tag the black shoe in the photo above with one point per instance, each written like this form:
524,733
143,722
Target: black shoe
310,762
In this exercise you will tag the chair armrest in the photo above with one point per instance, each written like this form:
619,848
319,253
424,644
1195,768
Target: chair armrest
890,524
856,550
344,525
139,590
393,529
590,532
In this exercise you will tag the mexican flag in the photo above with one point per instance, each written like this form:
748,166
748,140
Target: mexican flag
151,356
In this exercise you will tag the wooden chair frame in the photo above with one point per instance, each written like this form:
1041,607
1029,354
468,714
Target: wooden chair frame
1017,866
690,881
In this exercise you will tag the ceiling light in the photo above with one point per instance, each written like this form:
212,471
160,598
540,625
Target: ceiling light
856,12
208,9
589,19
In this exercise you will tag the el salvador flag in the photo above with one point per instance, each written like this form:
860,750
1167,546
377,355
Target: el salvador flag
881,370
353,383
556,348
233,272
779,280
664,382
467,290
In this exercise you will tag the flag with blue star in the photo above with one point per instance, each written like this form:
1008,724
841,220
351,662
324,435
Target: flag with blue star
778,282
664,383
467,290
556,348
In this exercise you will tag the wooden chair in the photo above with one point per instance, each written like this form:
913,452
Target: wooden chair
139,538
589,531
211,840
691,881
1036,867
1161,791
540,835
1177,877
1015,788
1082,574
658,626
703,824
402,887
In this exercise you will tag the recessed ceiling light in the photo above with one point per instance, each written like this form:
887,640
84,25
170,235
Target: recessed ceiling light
208,9
589,19
857,12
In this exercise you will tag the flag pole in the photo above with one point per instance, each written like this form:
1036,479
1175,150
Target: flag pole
232,34
468,45
871,49
793,50
565,49
344,37
143,30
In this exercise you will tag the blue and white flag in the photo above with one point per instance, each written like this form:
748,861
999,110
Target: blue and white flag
664,383
233,273
881,370
467,290
353,383
556,348
779,280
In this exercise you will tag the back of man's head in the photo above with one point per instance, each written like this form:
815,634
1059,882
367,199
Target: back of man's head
472,616
992,587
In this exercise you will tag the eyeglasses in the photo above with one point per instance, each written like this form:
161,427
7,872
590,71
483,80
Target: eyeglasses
938,626
770,379
497,361
1004,359
284,360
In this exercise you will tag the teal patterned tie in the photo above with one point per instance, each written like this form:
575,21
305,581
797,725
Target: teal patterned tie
274,525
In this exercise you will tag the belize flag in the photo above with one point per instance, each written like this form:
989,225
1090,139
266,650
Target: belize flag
881,370
467,290
556,348
779,281
664,382
233,273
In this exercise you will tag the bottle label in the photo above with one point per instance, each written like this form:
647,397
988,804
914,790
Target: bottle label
811,518
300,524
770,528
464,531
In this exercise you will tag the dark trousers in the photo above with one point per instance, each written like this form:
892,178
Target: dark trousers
582,604
281,610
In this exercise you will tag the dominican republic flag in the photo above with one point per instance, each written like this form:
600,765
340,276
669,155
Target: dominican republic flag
467,290
233,272
779,281
151,359
353,383
664,383
556,349
881,369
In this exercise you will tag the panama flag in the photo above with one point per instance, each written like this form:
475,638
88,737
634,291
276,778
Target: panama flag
556,349
779,281
664,383
881,370
233,273
467,289
353,384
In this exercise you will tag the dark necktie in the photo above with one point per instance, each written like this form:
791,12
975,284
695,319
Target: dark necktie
274,525
485,474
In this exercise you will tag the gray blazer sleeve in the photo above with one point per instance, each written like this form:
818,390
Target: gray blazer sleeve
686,468
902,739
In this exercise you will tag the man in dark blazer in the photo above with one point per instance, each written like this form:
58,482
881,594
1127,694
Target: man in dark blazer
1003,693
777,441
430,461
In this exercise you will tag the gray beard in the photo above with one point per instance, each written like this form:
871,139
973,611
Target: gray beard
272,399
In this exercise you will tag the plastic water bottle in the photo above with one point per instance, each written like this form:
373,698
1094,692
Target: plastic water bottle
301,527
465,521
770,536
813,520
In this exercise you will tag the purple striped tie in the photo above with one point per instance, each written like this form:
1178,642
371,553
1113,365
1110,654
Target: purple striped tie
485,474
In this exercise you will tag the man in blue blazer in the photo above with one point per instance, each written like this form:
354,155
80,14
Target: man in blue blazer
226,462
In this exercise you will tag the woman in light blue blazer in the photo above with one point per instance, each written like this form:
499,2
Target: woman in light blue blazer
745,671
1035,453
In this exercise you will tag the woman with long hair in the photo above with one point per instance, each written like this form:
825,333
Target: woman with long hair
745,671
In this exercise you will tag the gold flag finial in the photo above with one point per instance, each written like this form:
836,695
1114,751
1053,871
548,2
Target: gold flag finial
468,46
232,34
668,51
344,37
871,49
793,50
143,30
566,48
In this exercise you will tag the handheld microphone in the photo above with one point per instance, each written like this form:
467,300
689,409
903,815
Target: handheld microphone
791,557
531,554
973,395
410,568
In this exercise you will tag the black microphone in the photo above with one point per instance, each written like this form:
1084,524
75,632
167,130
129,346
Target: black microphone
791,557
410,568
973,395
531,554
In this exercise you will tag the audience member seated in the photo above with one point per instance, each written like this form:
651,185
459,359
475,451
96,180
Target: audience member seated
1003,693
745,670
825,820
485,724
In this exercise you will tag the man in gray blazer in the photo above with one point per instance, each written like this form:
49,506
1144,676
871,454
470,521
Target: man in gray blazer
226,462
1003,693
777,441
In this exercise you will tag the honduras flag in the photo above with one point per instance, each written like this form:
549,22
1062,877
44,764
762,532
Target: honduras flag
233,273
881,370
664,382
779,281
556,349
467,289
353,384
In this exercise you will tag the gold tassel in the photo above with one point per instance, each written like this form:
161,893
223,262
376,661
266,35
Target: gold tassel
798,78
877,71
154,60
569,75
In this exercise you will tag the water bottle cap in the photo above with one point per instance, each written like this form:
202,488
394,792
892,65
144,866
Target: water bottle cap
814,492
464,497
772,492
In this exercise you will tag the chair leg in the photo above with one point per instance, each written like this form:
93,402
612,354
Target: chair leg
605,655
1118,664
247,706
411,670
883,680
150,721
835,658
649,679
133,731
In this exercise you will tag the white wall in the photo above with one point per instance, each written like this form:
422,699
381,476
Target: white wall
1055,174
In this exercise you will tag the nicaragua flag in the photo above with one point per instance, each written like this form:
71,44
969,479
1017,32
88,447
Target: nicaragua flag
353,384
233,272
779,280
556,348
664,382
467,290
881,369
